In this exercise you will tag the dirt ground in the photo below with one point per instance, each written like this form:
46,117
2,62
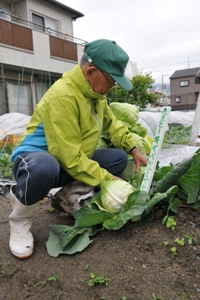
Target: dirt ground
135,259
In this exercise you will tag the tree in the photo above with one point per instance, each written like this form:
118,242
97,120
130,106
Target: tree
139,95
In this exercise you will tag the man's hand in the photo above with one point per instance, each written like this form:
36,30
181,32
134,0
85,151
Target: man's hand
138,159
117,178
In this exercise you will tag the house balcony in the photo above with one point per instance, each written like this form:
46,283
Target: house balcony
32,58
29,45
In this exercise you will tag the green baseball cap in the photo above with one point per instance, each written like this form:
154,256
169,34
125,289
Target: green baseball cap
107,56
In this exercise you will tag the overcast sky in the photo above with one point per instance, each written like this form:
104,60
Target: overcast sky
160,36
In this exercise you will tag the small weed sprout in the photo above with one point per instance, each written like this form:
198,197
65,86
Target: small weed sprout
58,294
180,242
170,222
52,210
154,297
86,267
191,239
165,243
95,280
43,282
173,251
53,278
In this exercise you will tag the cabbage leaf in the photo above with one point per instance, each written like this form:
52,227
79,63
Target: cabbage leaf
93,217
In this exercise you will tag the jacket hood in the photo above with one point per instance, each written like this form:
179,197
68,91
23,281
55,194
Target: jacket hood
78,78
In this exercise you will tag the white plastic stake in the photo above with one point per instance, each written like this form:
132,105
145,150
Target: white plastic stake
196,125
153,157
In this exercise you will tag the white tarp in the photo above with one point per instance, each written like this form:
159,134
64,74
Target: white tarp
150,119
175,154
13,123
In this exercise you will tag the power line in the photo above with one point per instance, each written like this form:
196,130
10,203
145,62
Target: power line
169,66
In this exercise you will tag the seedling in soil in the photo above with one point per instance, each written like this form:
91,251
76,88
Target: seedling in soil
133,286
155,298
43,282
58,294
86,267
94,280
52,210
53,278
191,239
166,243
180,242
174,252
170,222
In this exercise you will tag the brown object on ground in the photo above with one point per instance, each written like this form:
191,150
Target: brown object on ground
66,199
135,259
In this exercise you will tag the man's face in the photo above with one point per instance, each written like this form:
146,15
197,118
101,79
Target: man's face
100,81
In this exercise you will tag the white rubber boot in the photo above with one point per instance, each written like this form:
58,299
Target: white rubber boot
21,239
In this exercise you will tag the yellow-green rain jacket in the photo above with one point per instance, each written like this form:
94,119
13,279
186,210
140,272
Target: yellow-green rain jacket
68,122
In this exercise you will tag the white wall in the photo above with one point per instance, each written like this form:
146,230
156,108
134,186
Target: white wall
21,9
52,11
5,5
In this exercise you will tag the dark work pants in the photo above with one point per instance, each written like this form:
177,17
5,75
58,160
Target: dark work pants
36,173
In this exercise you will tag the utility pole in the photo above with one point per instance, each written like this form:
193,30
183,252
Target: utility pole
188,61
163,86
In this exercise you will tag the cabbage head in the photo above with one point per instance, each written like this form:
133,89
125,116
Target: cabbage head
148,142
114,194
125,112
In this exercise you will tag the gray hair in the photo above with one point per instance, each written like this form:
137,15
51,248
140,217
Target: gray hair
84,62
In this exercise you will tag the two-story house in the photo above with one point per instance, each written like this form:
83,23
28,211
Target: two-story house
37,45
185,88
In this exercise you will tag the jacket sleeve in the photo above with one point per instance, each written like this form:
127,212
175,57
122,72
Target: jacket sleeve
119,133
62,130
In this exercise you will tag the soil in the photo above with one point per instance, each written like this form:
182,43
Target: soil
134,258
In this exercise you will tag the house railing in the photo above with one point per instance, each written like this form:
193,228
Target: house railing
18,33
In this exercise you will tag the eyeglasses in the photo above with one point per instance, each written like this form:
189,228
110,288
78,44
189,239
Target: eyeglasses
112,84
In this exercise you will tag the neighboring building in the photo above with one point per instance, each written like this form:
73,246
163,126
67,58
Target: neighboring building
36,46
185,89
163,97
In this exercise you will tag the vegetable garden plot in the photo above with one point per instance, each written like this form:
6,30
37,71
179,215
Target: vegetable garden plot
90,219
169,183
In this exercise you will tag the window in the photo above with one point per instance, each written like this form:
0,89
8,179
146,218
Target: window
184,83
178,99
19,98
45,24
197,80
38,20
